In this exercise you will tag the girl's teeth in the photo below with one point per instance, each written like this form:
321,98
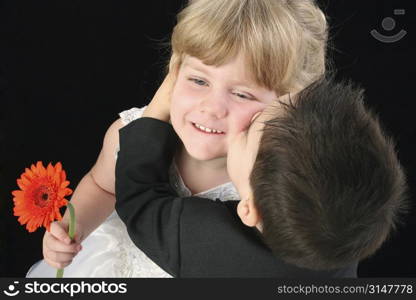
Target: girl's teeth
209,130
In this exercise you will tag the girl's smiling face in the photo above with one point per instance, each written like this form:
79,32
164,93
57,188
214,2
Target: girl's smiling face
211,105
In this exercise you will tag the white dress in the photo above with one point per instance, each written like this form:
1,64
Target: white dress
108,251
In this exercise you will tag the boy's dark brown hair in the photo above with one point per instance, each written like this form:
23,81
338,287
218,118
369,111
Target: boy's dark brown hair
327,181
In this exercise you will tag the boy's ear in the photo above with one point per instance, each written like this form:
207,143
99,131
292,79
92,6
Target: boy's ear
248,213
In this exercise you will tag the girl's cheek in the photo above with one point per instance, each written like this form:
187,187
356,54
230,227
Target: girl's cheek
181,104
243,113
182,92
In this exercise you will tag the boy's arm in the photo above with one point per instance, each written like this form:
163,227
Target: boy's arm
145,201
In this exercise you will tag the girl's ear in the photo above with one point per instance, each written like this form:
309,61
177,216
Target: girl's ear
248,213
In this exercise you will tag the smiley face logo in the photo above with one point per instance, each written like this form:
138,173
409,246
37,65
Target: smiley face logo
389,24
11,291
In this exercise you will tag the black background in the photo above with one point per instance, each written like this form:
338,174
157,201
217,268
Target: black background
68,67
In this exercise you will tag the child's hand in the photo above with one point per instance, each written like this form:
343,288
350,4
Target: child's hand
159,107
58,249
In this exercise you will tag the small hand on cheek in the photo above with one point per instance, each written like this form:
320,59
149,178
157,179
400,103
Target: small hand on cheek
159,107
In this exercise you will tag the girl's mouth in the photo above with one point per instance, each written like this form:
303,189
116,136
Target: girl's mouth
206,129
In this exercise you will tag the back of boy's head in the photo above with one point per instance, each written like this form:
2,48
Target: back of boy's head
326,181
283,41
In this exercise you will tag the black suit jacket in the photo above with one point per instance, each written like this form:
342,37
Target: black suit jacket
188,236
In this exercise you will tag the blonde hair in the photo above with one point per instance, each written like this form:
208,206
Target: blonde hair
283,41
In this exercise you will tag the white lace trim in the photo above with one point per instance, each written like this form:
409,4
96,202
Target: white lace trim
224,192
128,116
131,114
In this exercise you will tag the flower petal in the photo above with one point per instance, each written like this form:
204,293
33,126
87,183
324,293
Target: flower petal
41,168
18,193
29,173
63,176
58,167
68,191
21,184
57,179
50,170
26,182
64,184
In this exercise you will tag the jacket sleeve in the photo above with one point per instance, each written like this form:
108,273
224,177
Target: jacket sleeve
145,201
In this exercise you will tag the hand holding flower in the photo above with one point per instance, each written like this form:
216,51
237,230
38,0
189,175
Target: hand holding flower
42,193
58,248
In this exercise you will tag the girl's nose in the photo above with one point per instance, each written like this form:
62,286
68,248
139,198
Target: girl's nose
215,105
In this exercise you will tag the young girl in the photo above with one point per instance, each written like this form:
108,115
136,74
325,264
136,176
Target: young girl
231,56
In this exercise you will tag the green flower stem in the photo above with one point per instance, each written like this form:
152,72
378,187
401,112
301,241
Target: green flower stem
71,233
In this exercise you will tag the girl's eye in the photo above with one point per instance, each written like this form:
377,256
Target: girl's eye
198,81
244,96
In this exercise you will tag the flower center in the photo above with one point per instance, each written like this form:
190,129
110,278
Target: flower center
42,196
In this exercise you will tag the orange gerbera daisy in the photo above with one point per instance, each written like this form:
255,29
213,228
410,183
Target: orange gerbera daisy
42,192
